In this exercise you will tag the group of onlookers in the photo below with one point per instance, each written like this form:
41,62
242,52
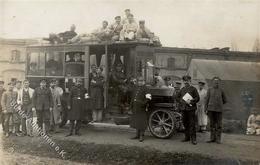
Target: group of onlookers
123,29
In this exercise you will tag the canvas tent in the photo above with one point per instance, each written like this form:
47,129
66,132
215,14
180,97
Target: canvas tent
237,78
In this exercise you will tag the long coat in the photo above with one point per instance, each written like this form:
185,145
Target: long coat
9,99
139,118
202,116
97,92
77,103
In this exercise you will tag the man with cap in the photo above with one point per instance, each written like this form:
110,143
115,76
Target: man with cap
143,33
201,114
56,111
127,13
129,30
8,102
76,106
103,33
139,101
116,28
215,100
188,98
2,90
43,105
119,81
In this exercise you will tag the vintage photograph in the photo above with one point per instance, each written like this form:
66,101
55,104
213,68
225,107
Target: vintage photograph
129,82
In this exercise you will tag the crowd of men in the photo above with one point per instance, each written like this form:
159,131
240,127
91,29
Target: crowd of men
123,29
50,103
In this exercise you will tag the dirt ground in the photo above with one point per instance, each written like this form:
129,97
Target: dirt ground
101,144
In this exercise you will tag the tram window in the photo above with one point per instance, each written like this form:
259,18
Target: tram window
74,57
36,64
74,70
54,64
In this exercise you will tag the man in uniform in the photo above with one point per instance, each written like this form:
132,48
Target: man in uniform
76,106
127,13
103,33
188,98
119,80
139,101
43,105
129,29
2,90
215,100
116,28
201,114
143,32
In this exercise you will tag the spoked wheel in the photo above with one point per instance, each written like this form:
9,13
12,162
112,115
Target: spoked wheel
162,123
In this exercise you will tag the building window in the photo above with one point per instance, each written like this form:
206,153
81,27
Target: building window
171,63
15,56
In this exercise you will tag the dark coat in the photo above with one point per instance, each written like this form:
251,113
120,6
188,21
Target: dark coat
42,99
215,99
97,92
1,94
193,92
77,103
139,118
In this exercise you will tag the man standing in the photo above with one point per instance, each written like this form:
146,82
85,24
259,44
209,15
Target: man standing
215,100
8,102
201,114
26,106
55,113
139,101
188,98
116,28
43,105
2,90
76,106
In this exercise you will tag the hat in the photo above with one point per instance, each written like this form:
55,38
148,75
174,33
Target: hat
167,79
79,80
43,80
216,78
202,82
2,82
10,83
130,15
53,80
118,17
127,9
178,82
142,22
18,81
186,78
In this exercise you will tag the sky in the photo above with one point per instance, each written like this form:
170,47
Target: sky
178,23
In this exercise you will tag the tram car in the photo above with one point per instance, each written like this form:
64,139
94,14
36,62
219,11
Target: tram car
67,62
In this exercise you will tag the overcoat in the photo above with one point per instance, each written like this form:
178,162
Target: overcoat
77,103
97,92
139,103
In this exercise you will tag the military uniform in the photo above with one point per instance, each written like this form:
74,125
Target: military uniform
139,118
115,30
77,104
214,105
42,102
188,112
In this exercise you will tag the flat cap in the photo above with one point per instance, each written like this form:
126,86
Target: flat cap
186,78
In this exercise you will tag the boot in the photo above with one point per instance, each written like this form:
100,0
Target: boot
137,136
218,138
141,138
212,136
71,129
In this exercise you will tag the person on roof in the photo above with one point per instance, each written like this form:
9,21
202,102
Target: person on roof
125,19
116,28
129,29
143,32
103,33
63,37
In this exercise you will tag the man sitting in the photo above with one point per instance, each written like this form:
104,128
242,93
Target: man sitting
129,29
144,34
116,28
253,123
103,33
